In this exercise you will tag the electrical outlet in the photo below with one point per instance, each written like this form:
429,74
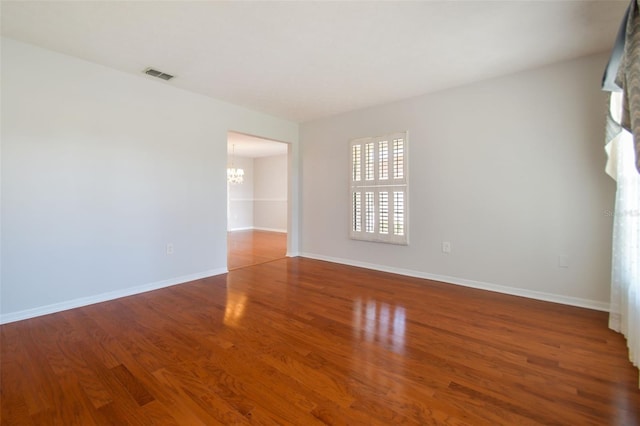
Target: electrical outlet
446,247
169,248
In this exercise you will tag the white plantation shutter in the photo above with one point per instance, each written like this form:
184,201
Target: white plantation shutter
379,189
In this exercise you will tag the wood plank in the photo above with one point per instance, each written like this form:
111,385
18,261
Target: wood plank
298,341
252,247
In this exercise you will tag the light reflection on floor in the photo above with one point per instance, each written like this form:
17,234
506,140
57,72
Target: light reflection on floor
379,339
234,310
377,322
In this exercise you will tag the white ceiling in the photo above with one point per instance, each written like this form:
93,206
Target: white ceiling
306,60
251,146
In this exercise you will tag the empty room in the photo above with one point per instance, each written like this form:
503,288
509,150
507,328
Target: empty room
308,213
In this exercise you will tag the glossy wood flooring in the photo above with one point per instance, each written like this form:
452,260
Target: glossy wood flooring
302,342
251,247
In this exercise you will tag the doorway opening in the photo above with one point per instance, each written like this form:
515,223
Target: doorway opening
257,200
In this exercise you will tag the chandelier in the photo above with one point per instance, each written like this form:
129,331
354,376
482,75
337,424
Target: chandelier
234,175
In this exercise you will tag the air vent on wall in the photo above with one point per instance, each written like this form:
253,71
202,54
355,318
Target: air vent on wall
158,74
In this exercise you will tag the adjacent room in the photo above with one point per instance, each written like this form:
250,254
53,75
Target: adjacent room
308,213
257,187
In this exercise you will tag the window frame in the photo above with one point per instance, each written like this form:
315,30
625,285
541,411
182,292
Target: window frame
386,178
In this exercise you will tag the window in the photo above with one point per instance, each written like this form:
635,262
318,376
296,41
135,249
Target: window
379,189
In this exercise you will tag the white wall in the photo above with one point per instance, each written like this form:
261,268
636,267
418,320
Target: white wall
270,193
241,197
510,171
100,170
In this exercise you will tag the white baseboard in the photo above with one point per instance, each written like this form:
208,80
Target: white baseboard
246,228
514,291
103,297
258,228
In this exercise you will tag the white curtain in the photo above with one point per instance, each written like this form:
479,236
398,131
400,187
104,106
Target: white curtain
624,314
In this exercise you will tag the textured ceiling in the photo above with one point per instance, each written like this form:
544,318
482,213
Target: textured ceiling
306,60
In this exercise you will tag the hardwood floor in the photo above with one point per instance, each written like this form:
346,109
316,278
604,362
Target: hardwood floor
246,248
302,342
